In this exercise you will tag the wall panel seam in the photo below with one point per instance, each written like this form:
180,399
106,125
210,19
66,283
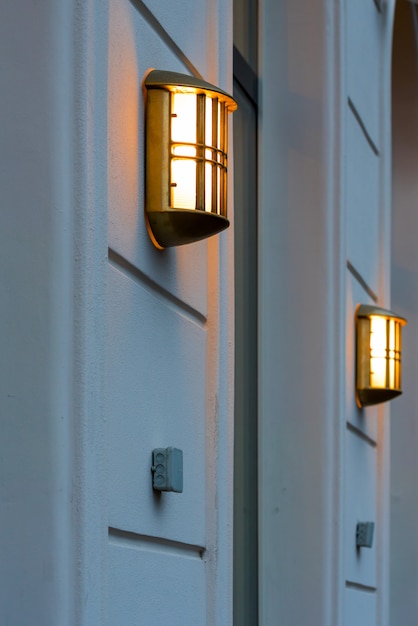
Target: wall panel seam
350,584
155,544
135,274
361,435
378,4
362,125
359,278
152,21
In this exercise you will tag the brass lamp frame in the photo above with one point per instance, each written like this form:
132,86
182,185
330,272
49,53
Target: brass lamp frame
366,394
168,225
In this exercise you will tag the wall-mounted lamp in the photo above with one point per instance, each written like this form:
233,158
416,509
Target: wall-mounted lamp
186,158
379,350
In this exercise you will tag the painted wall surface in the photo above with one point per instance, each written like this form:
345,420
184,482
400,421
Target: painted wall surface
367,241
167,372
110,347
301,309
36,404
325,248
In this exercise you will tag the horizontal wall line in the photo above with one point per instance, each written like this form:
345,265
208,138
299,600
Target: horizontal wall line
152,21
361,434
363,127
359,278
130,270
154,544
359,587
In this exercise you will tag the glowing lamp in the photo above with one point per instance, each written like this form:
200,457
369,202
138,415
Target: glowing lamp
379,351
186,158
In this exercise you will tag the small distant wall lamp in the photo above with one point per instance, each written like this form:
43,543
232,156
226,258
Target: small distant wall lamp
379,352
186,158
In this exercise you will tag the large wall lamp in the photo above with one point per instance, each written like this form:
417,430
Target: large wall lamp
186,158
379,351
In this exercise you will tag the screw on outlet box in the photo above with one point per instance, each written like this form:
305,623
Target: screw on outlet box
167,469
364,534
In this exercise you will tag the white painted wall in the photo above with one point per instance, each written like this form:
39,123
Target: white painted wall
367,210
107,356
168,348
301,314
36,355
325,247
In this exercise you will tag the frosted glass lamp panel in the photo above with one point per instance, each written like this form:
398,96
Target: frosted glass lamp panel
208,186
183,133
208,125
222,145
208,154
218,189
221,122
183,118
219,159
378,354
398,351
394,355
183,184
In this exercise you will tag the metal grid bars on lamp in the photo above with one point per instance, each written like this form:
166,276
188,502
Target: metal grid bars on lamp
186,158
379,352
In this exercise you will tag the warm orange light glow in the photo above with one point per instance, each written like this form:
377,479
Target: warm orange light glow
185,122
123,152
186,158
379,346
392,353
384,353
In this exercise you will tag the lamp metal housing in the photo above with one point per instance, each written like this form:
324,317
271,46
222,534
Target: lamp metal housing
379,351
186,158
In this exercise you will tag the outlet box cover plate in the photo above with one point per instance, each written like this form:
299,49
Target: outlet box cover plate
167,469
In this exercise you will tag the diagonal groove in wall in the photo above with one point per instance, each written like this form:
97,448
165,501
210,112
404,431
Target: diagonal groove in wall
360,587
152,21
378,4
361,434
140,277
245,76
359,278
137,541
363,127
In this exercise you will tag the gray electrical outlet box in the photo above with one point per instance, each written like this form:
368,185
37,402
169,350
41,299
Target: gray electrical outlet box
167,469
364,534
